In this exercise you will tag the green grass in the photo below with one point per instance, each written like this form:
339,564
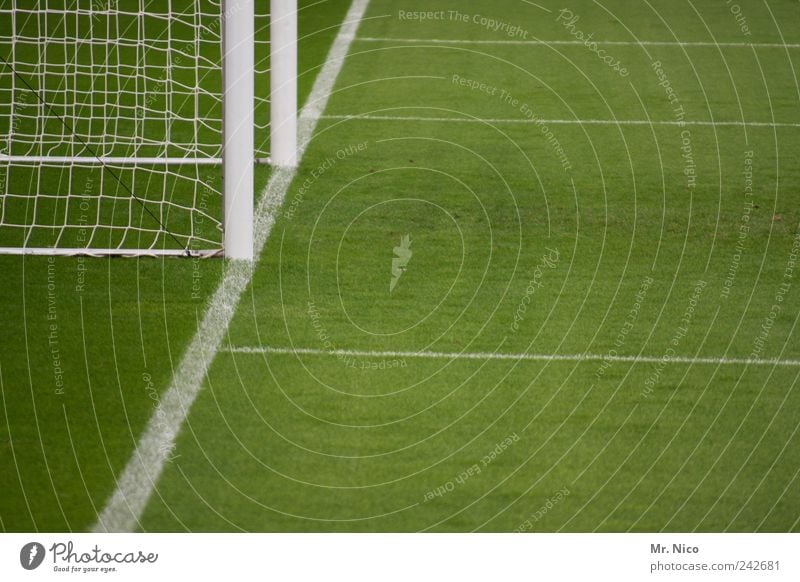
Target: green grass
119,323
306,442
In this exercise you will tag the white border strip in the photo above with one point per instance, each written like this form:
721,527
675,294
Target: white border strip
541,42
136,484
537,121
117,161
588,357
92,252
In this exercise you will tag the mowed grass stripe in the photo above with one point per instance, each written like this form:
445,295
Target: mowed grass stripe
587,357
136,484
508,82
291,441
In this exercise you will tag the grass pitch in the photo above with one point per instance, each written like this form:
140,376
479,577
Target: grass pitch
587,243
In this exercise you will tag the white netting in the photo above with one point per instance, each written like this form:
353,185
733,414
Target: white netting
137,83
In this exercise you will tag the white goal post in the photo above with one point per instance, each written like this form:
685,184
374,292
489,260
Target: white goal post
128,127
283,82
237,150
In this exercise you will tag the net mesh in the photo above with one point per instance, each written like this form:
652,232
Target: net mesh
137,83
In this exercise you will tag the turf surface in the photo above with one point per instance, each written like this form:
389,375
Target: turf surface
557,238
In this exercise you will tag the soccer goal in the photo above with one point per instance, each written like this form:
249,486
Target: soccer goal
132,127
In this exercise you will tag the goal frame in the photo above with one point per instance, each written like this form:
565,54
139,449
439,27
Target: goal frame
238,132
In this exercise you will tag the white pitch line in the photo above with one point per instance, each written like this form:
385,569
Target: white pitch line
136,484
541,42
560,121
588,357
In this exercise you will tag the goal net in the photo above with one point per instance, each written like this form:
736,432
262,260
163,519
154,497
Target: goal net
119,122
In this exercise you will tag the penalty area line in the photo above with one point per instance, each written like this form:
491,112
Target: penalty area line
136,483
537,121
542,42
586,357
